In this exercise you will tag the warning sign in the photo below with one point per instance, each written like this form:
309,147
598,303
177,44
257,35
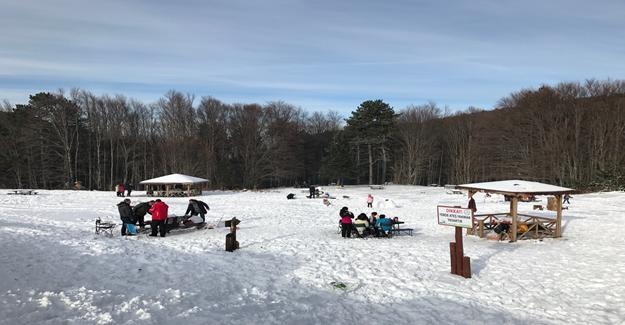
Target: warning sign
456,217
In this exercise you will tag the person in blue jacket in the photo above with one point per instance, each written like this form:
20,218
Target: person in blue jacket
384,225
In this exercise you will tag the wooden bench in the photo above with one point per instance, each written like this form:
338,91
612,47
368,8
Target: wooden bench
398,231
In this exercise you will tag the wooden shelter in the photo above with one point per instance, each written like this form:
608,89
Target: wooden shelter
175,185
515,190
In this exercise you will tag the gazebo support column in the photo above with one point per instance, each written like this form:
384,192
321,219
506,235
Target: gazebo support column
514,202
558,215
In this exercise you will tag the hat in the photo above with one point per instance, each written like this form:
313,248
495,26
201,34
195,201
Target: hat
127,200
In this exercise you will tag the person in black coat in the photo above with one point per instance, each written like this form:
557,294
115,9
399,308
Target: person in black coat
472,205
197,207
140,210
125,213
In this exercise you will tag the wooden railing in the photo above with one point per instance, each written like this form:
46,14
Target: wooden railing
528,226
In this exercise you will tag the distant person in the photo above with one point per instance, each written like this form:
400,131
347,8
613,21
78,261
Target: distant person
196,207
128,189
126,215
312,190
566,198
346,222
117,189
140,210
384,225
120,189
369,201
159,218
472,205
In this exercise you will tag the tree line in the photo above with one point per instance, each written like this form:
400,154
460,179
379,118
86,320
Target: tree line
571,134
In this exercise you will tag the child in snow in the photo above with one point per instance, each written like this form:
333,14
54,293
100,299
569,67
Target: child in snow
373,219
370,201
384,225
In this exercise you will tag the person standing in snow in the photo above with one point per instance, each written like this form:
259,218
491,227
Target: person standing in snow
120,190
128,189
369,201
125,214
472,205
346,222
566,198
159,217
312,190
140,210
197,207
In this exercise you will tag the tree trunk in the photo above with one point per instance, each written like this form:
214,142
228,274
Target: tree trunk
370,153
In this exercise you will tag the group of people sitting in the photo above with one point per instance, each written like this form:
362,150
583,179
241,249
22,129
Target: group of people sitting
160,223
363,225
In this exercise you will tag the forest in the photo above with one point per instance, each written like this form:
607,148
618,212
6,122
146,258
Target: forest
570,134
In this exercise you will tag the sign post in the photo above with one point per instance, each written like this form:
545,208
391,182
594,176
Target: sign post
458,218
231,239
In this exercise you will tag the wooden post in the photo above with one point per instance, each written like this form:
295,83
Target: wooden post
460,264
459,250
466,267
231,239
514,201
452,258
558,215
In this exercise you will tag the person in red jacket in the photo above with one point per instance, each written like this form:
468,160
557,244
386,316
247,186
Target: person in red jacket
159,217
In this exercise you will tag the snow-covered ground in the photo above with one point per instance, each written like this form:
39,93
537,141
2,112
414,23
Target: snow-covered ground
55,270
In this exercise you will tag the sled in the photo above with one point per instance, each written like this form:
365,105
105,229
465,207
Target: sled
105,228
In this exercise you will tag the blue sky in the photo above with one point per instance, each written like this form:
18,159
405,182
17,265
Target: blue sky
318,55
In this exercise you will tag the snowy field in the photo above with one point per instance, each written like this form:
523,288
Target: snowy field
55,270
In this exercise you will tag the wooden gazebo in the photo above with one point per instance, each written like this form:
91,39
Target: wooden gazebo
515,190
174,185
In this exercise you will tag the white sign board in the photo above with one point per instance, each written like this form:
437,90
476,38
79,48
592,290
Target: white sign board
456,217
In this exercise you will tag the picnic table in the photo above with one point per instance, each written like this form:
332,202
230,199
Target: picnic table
397,230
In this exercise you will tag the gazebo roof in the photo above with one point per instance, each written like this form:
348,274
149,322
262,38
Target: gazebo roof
175,179
515,187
